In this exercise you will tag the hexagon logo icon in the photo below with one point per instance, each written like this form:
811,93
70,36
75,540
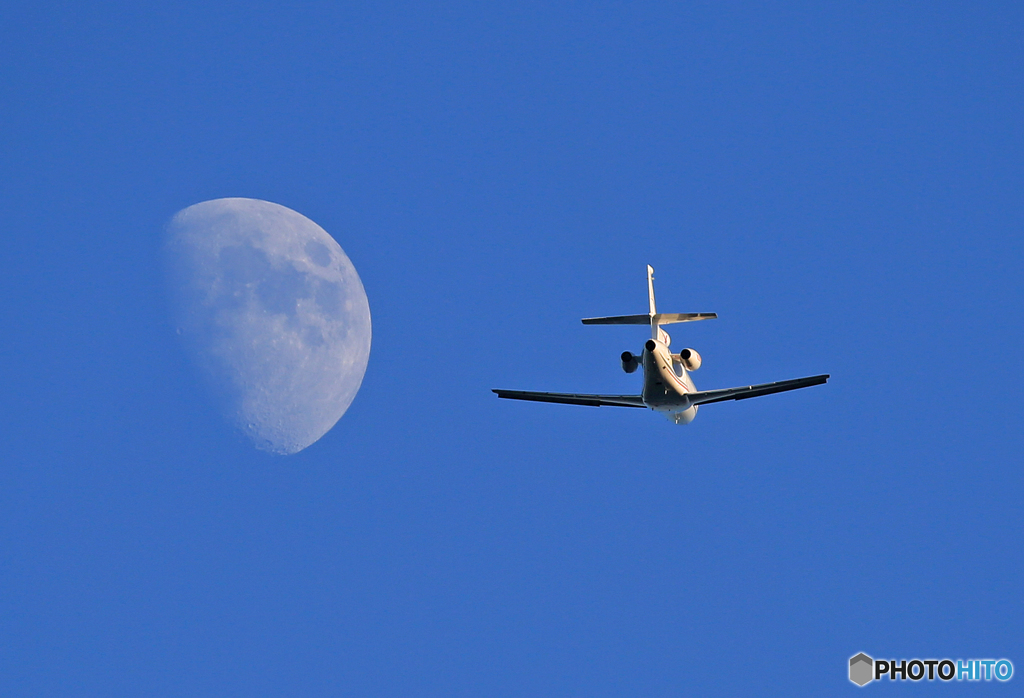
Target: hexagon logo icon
862,669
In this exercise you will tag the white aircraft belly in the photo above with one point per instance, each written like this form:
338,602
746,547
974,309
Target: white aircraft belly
664,389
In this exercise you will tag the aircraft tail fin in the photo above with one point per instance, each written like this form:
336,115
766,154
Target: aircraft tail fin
653,318
650,289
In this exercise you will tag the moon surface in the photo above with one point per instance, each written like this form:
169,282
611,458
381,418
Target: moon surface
273,313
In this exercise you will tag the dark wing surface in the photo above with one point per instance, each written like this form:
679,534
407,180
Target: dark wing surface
574,398
659,318
706,396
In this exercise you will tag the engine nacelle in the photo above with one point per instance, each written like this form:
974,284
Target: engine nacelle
690,359
629,362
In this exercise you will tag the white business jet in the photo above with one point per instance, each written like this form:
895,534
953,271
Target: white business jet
668,387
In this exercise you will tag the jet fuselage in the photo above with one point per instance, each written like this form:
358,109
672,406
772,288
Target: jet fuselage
667,383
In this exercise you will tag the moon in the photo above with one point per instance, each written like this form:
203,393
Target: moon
273,313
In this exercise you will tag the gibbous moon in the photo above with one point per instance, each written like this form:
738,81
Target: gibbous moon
274,314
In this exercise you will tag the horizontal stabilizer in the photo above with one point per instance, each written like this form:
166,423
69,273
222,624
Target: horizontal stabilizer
672,318
706,396
618,320
575,398
658,319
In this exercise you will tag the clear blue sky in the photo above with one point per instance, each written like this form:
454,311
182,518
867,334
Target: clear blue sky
841,182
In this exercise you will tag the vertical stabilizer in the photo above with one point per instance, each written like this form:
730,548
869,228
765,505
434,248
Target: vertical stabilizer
650,287
650,295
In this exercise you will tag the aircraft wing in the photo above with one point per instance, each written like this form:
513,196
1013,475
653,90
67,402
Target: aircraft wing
706,396
574,398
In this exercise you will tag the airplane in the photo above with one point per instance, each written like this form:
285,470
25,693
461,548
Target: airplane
668,387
